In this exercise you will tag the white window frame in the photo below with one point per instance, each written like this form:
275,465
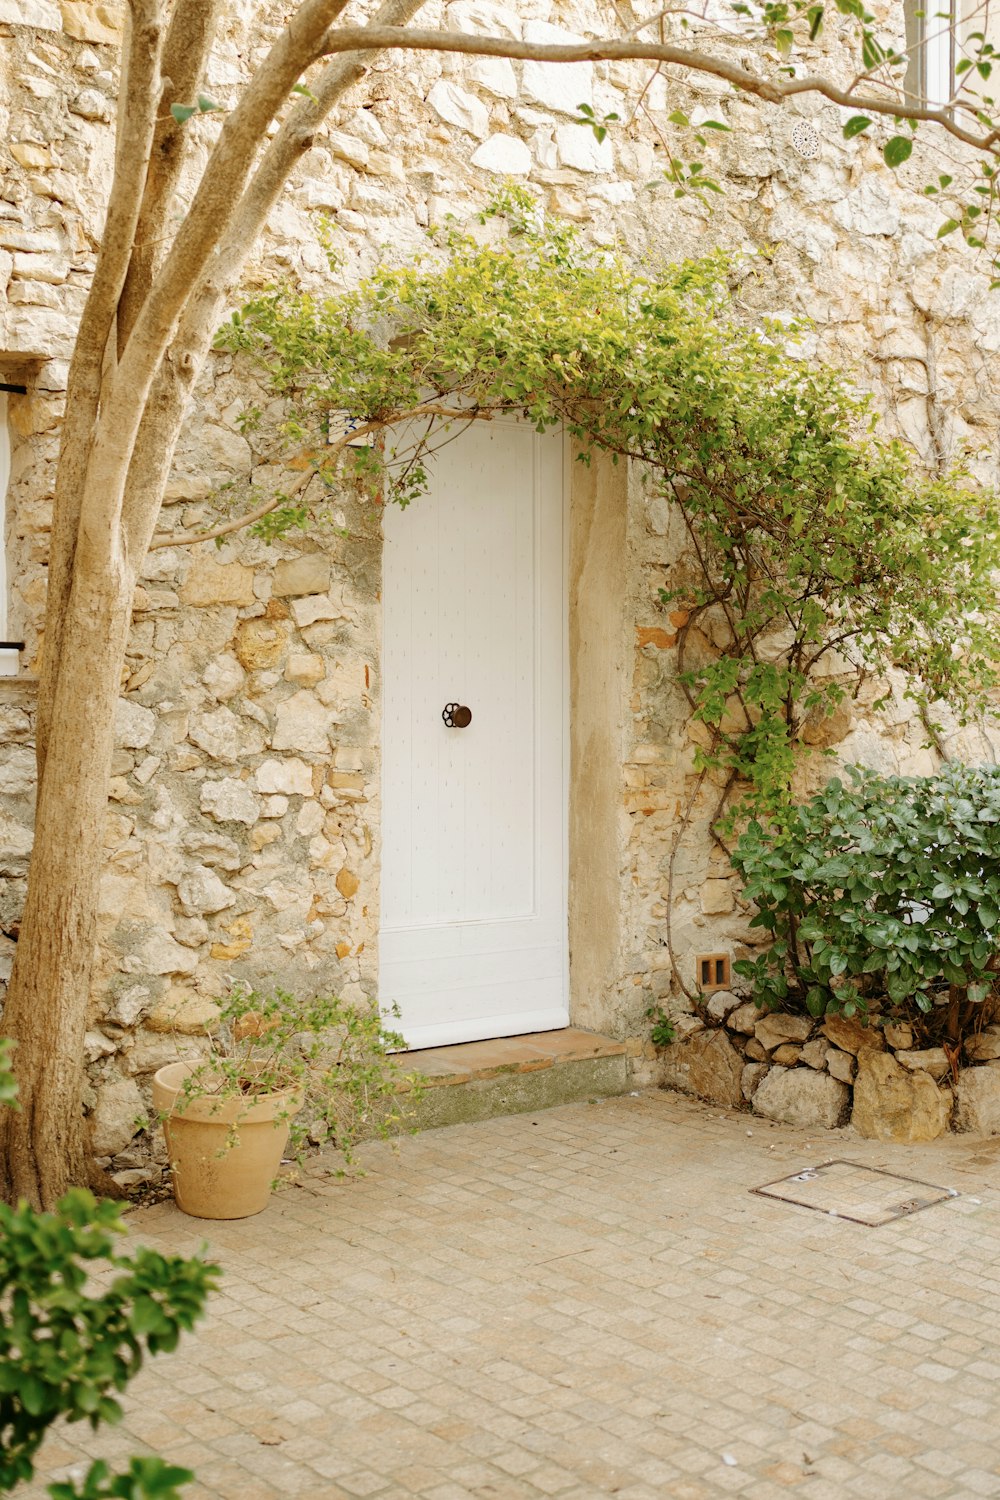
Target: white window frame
937,41
939,57
931,47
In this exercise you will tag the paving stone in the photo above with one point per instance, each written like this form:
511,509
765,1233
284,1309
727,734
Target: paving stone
553,1304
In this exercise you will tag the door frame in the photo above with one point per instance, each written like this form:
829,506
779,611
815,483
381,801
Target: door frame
566,470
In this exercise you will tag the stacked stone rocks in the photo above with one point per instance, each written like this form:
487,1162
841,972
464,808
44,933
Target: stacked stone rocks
823,1074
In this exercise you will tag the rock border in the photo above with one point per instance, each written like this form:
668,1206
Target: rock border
838,1071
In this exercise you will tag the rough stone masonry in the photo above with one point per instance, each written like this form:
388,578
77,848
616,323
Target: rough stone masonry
243,827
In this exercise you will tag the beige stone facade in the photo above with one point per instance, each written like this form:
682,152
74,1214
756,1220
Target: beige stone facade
243,829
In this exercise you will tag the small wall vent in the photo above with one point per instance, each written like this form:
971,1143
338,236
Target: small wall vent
713,972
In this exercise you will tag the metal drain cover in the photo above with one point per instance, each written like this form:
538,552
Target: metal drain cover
864,1195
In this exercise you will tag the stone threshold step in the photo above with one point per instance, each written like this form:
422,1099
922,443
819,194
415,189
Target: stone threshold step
514,1074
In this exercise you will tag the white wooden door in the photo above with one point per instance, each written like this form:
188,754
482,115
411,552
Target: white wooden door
473,937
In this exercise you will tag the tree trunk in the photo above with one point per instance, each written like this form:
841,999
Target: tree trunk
42,1145
118,441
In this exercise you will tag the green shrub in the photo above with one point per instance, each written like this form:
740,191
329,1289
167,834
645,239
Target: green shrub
66,1347
886,887
336,1052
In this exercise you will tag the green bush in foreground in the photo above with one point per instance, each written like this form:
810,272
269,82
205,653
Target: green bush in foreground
65,1349
888,887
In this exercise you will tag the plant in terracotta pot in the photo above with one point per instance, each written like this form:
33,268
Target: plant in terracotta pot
283,1072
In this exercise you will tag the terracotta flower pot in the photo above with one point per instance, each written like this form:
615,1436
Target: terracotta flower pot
224,1152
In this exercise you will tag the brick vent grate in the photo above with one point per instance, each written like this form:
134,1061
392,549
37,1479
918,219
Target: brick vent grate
863,1195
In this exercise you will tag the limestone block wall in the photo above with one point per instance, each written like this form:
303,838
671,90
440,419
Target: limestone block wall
243,827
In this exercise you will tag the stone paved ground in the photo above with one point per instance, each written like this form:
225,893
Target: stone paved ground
587,1302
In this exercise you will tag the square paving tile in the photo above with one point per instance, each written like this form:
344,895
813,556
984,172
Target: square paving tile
865,1195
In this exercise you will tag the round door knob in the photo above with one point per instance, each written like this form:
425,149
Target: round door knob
456,715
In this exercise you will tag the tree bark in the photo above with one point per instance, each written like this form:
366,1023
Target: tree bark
42,1146
108,495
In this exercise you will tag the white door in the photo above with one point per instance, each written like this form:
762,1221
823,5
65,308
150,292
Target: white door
473,894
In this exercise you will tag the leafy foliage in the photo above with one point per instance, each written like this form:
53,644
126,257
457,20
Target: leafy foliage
144,1479
886,887
809,532
66,1347
334,1053
971,190
662,1031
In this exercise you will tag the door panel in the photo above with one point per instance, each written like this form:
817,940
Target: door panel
473,936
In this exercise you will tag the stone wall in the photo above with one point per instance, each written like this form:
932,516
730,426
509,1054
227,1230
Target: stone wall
243,829
821,1074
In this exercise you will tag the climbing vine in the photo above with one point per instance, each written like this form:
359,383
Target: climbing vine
808,533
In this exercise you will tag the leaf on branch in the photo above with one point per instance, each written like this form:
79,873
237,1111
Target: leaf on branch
947,228
182,112
206,104
897,150
855,125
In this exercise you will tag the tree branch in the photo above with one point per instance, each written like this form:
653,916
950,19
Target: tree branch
191,538
773,90
219,192
185,54
151,462
238,523
140,86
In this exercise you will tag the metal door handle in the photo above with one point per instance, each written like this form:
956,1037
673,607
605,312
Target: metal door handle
456,716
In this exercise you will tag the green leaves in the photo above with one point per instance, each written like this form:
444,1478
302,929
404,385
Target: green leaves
855,126
893,887
66,1346
8,1087
145,1479
814,534
599,127
203,105
814,16
897,150
337,1052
